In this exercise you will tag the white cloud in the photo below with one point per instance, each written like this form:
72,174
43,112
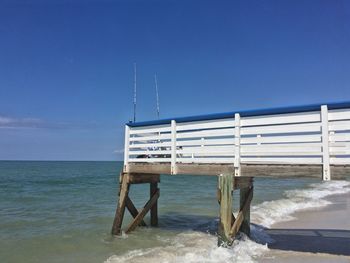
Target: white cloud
9,122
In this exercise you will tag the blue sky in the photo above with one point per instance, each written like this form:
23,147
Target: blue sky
66,67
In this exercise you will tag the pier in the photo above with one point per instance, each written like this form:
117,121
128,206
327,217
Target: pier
303,141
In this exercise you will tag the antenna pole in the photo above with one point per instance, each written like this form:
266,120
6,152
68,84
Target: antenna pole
156,84
135,92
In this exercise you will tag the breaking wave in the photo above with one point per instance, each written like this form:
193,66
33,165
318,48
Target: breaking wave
270,212
193,246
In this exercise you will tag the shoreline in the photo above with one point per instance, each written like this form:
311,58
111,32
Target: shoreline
315,235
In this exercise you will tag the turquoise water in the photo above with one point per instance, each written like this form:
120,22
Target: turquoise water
63,212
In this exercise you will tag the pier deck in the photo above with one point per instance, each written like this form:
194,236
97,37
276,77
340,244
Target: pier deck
247,170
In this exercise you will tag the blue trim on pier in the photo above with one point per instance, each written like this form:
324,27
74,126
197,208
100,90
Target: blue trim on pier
246,113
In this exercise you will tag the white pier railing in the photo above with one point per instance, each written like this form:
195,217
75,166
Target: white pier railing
313,134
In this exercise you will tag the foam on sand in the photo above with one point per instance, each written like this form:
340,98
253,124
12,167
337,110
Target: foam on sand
270,212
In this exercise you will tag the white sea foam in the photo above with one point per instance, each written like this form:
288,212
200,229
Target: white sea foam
194,246
270,212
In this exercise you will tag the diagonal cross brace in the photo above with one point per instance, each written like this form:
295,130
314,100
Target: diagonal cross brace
133,211
143,212
238,222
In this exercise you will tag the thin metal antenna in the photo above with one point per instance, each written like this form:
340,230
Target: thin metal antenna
135,92
156,84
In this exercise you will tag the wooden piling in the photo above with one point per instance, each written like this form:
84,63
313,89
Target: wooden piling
119,214
225,185
154,208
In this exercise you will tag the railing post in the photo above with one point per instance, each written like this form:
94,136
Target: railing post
173,147
325,144
126,149
237,162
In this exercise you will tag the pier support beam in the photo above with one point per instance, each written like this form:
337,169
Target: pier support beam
154,208
225,189
125,181
228,224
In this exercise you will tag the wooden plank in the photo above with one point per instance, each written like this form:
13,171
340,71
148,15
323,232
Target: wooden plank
208,160
278,153
282,171
205,149
280,129
315,146
339,137
132,209
282,139
281,160
242,182
150,129
150,152
339,151
206,142
119,215
149,160
277,170
207,124
143,178
339,126
243,211
340,114
154,208
152,168
203,154
225,185
154,144
156,137
285,147
206,133
205,169
303,117
143,212
340,160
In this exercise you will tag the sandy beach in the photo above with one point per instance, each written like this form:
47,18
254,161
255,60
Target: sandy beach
320,235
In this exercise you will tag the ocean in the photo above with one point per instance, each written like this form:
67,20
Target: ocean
63,212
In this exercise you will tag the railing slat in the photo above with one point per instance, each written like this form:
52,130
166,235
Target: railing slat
303,117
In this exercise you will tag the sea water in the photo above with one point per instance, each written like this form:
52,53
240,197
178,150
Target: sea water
63,212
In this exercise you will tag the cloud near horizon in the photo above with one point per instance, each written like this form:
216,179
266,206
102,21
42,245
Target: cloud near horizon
7,122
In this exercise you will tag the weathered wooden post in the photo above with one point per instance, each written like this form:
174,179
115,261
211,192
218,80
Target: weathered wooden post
154,209
119,213
225,189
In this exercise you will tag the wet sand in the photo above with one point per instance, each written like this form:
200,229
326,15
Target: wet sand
320,235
